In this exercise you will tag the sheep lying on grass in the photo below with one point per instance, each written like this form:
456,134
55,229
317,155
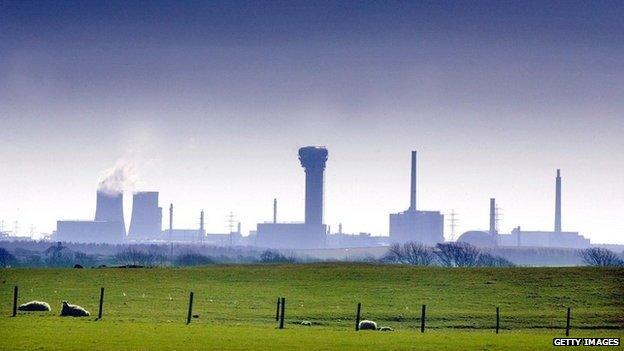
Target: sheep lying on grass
73,310
367,325
386,329
34,306
306,323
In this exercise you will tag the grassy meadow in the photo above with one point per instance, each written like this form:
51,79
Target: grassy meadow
146,308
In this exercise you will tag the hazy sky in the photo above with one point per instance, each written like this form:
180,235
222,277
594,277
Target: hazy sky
210,101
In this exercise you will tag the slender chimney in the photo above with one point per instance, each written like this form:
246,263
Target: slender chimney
413,184
238,228
493,216
201,222
274,210
558,202
170,221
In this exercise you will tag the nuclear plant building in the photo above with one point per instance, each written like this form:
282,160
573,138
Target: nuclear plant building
311,233
426,227
108,226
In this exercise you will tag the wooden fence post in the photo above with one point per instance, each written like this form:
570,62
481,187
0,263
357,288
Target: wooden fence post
357,317
422,319
101,303
497,319
15,301
190,310
283,309
568,323
277,312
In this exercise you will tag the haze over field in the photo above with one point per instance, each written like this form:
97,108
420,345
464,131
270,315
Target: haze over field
209,103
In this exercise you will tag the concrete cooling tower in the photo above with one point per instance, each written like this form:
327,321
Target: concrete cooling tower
109,208
146,221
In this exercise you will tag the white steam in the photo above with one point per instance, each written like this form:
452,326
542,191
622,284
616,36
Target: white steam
119,178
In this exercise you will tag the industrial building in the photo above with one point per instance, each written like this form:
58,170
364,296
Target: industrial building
108,226
517,237
312,233
426,227
146,220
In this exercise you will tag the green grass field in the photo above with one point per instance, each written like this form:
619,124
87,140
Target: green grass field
146,308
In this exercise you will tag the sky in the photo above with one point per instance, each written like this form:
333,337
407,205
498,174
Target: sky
208,103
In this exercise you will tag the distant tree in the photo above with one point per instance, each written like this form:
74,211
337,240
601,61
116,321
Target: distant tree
134,257
394,254
193,259
488,260
270,256
457,254
410,253
599,257
6,258
58,256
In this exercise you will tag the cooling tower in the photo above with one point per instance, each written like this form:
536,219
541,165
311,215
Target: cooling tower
146,221
313,159
109,208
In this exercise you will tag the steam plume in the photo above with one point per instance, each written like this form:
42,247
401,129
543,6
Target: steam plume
122,176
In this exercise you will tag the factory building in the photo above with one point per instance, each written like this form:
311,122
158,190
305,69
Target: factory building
426,227
517,237
311,233
146,220
108,226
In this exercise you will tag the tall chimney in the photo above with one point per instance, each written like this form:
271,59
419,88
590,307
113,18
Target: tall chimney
170,221
313,160
413,184
274,210
201,222
492,217
558,202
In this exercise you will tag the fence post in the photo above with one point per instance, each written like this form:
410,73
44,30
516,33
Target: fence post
15,301
357,317
497,319
277,312
101,303
568,323
283,308
422,319
190,311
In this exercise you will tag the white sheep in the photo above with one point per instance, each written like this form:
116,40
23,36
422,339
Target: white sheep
386,329
367,325
73,310
34,306
306,323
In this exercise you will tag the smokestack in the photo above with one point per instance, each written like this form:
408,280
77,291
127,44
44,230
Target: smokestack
492,216
170,221
558,202
201,222
413,184
313,160
109,208
238,228
274,210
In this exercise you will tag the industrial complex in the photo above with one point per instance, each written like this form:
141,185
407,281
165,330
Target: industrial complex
518,237
411,225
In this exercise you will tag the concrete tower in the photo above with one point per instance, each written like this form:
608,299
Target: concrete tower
558,202
313,160
493,217
109,208
146,220
413,184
